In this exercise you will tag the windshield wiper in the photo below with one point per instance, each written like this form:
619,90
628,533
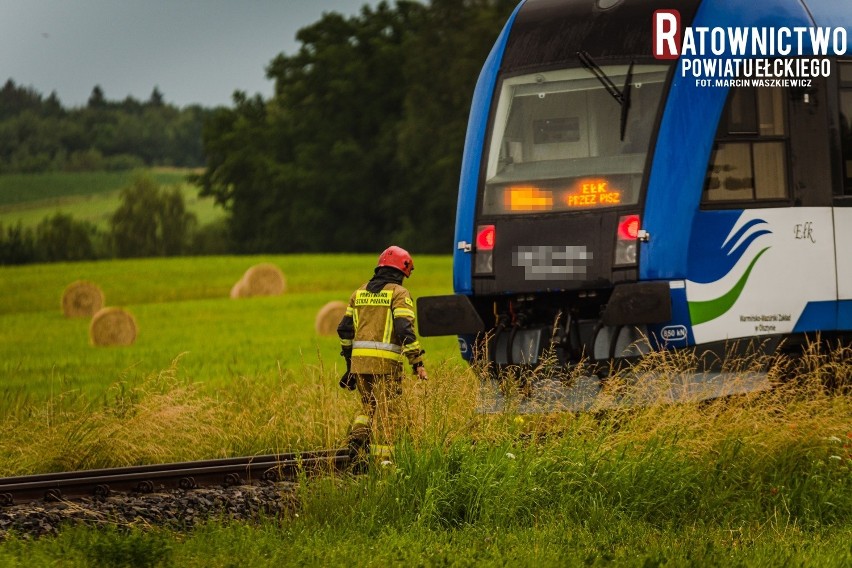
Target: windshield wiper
622,96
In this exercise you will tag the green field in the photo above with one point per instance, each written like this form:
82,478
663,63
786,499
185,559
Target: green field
758,480
87,196
182,308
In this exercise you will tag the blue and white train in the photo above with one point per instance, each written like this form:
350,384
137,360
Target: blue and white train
608,195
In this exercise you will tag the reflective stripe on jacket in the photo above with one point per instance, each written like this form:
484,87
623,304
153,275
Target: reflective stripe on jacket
378,330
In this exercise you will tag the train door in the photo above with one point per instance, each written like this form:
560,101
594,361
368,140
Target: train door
843,200
762,252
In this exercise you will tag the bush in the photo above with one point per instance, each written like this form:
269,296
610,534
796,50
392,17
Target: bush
84,161
151,221
61,238
123,162
213,238
17,245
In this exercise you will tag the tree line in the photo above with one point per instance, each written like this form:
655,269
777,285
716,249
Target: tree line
361,144
39,134
359,147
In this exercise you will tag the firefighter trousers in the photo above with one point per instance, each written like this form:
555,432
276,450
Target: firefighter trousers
376,426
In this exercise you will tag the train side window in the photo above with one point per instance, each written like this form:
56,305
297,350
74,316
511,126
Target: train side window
846,124
749,159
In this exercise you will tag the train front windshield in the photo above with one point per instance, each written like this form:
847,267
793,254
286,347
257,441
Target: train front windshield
557,145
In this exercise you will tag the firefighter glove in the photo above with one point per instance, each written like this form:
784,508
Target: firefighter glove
348,381
420,370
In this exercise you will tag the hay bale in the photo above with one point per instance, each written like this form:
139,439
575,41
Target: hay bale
329,317
264,279
239,289
112,326
82,299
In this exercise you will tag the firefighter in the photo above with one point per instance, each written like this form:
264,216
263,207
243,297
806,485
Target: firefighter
377,338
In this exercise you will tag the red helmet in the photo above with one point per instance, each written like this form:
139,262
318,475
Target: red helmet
398,258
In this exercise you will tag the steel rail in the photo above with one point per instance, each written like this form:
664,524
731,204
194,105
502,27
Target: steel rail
182,475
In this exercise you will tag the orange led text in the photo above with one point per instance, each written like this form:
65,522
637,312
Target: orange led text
528,198
593,193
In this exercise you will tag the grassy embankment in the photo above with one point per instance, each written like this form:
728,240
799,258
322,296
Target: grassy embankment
762,480
233,356
87,196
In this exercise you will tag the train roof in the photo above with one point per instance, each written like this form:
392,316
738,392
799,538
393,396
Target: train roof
551,32
831,13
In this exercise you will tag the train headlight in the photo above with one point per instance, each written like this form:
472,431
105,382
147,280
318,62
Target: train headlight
485,238
626,243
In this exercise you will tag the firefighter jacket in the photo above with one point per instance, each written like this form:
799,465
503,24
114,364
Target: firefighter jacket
377,331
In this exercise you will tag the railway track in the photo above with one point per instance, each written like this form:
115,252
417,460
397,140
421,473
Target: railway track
184,475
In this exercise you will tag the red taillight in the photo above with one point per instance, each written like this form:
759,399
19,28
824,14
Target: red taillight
627,243
485,237
628,228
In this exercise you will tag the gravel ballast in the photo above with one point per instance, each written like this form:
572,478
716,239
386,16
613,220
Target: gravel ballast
177,509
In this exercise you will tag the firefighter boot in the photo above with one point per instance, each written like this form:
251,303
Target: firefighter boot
358,444
382,455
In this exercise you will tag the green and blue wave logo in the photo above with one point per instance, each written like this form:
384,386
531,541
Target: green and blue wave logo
715,250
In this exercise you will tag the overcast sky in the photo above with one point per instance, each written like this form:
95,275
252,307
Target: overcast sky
195,51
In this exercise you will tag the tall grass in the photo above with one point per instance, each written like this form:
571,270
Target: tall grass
758,479
786,450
